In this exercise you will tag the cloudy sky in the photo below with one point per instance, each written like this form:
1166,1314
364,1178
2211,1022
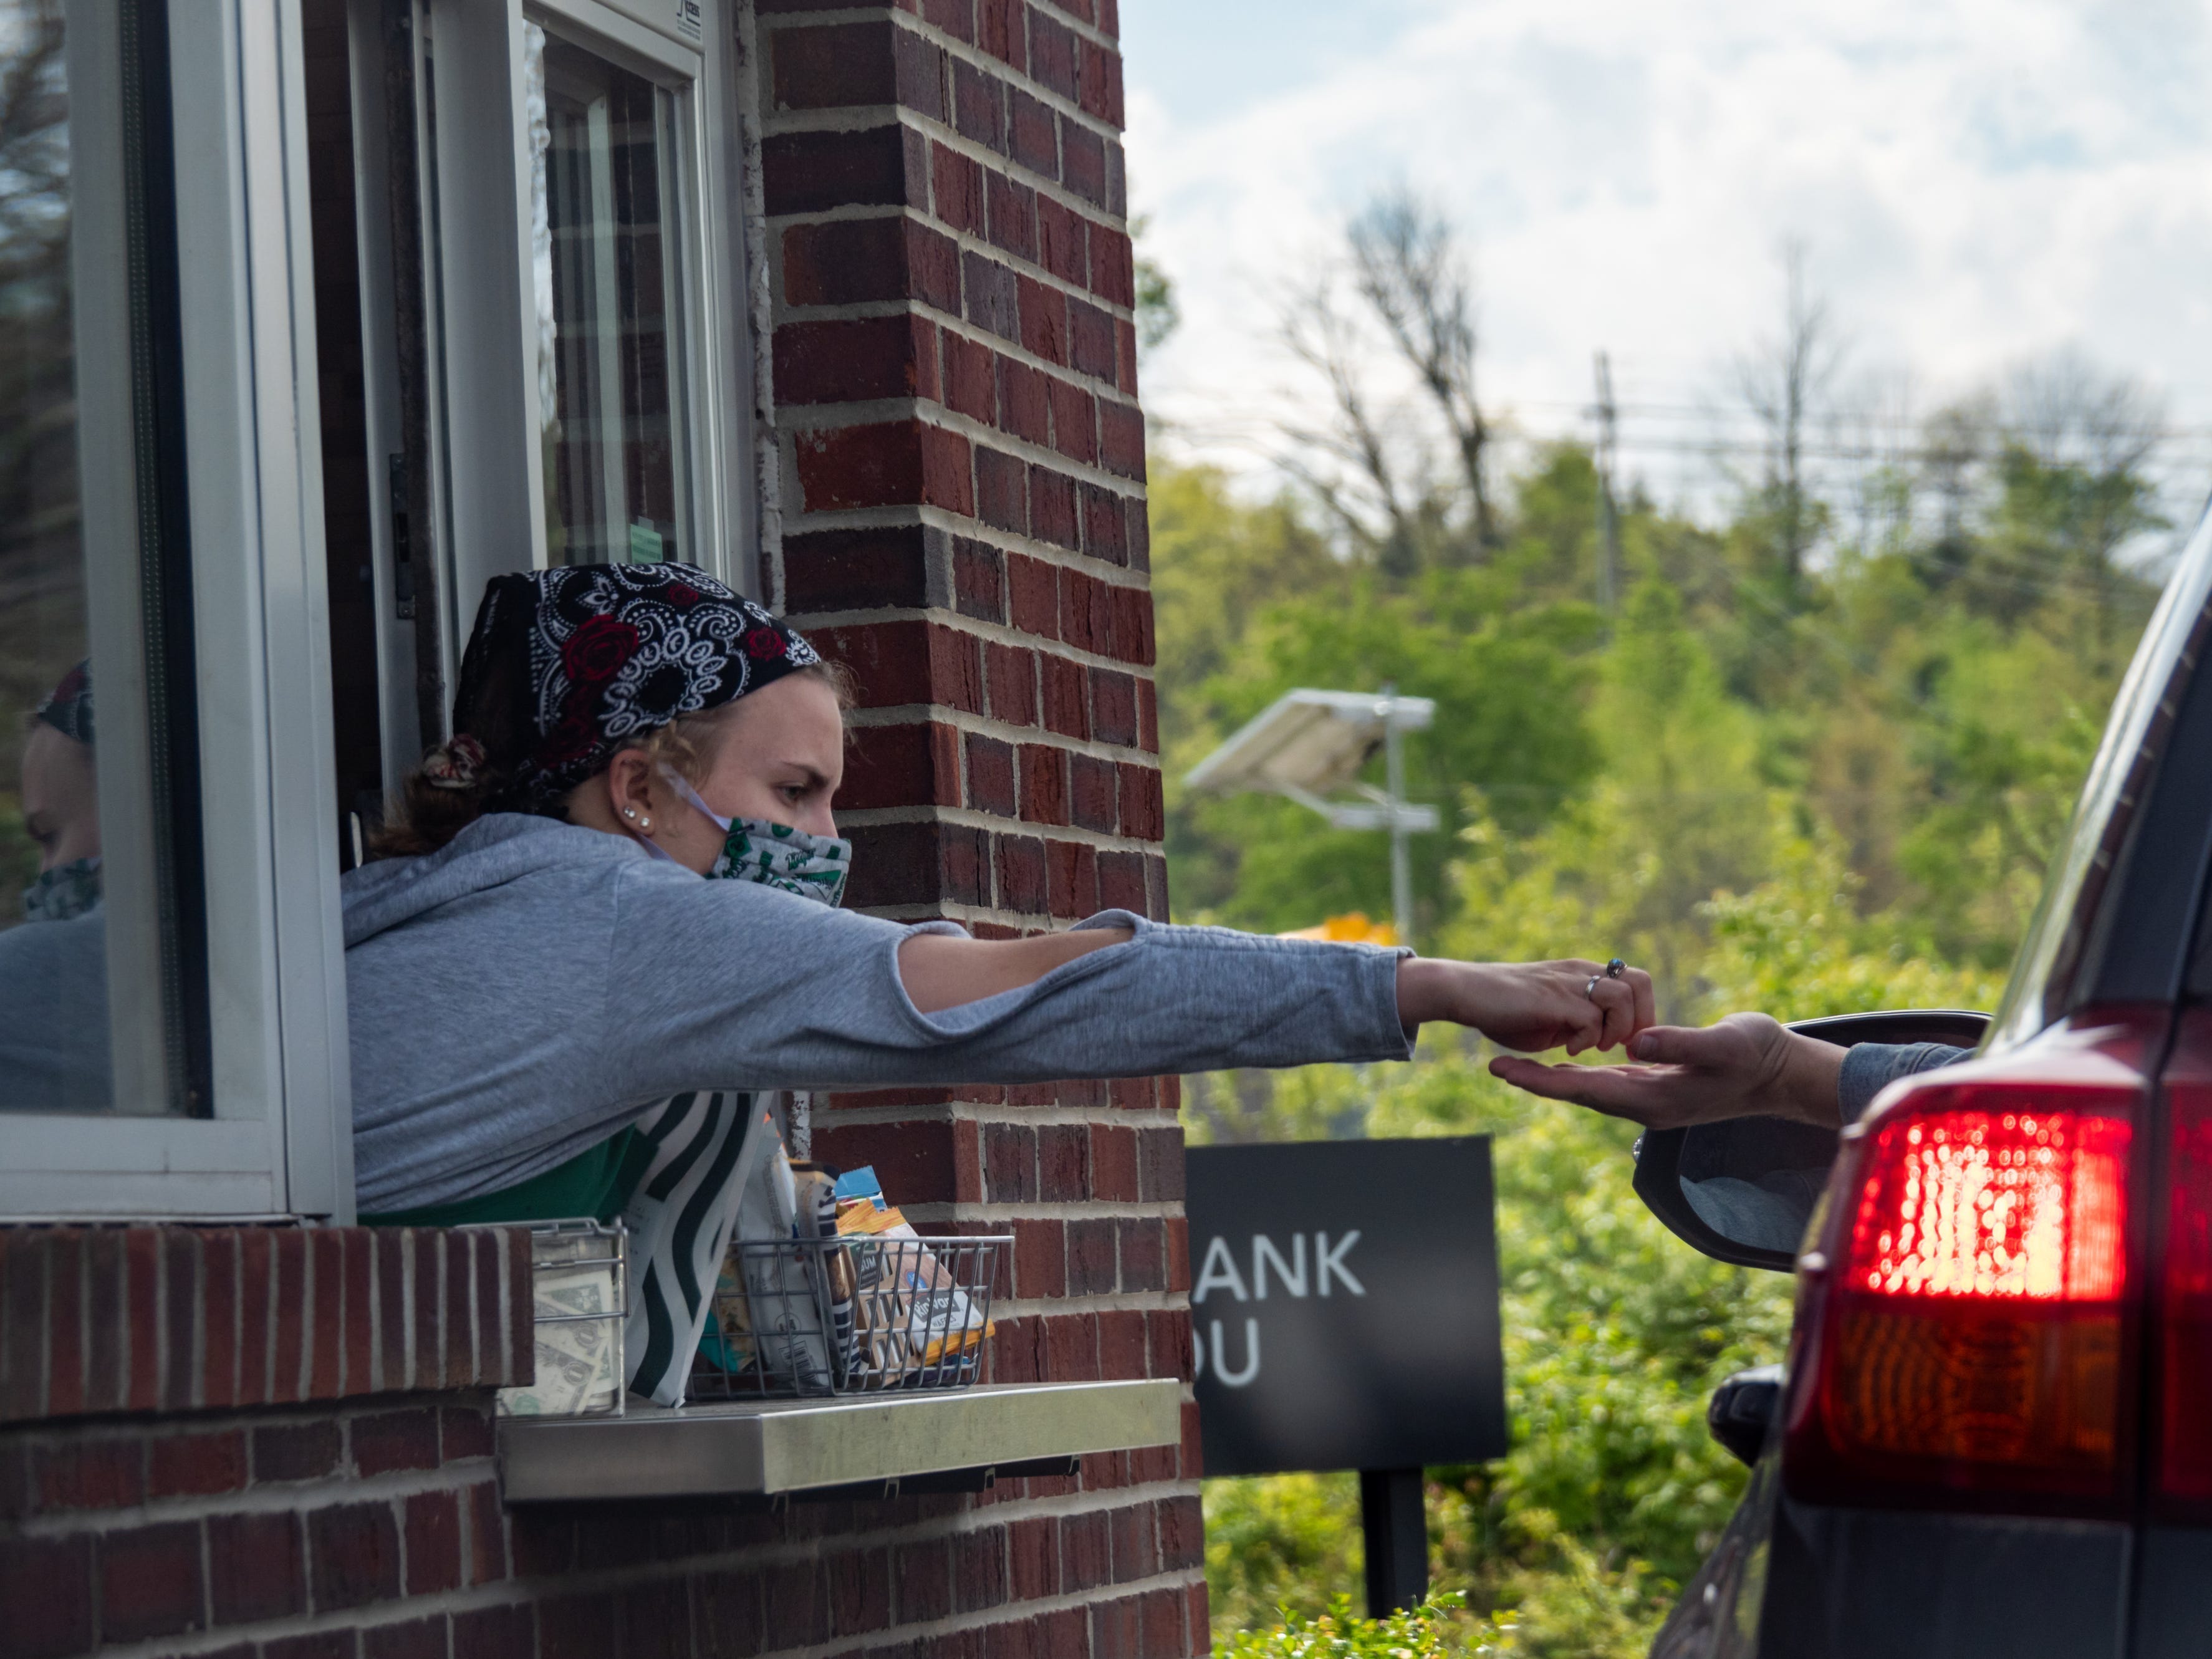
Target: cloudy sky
1975,182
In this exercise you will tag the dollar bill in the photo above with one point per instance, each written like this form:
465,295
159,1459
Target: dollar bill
579,1345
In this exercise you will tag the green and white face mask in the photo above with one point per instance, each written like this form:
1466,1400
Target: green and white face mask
774,855
64,892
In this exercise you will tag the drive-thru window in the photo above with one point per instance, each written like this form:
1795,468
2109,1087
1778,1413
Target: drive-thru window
491,368
177,1046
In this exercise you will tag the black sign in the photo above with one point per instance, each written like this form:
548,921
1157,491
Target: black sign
1344,1304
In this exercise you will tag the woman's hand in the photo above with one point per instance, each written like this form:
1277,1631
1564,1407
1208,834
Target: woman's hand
1528,1005
1747,1065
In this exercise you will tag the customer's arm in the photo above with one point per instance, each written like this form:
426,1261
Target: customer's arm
1870,1067
1747,1065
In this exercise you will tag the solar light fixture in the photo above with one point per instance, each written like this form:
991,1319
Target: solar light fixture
1307,745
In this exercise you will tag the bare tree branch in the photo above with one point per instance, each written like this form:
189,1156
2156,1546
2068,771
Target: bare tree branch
2064,412
1784,382
1316,332
1403,473
1409,269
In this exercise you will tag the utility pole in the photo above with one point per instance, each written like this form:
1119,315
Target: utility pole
1401,864
1608,513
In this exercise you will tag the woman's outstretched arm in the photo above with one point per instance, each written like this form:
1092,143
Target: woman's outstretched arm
946,970
1525,1005
729,982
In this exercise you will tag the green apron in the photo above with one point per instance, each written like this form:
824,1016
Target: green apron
597,1182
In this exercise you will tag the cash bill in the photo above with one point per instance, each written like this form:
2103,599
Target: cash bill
579,1345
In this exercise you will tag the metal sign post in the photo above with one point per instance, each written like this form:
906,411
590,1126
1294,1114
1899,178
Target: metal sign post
1344,1311
1396,1530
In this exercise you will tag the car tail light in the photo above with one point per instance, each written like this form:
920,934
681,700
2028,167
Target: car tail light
2184,1331
1964,1322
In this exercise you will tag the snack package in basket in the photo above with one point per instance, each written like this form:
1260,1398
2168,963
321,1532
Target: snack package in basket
914,1312
873,1304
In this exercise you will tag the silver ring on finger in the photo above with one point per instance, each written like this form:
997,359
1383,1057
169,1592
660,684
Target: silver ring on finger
1590,989
1615,968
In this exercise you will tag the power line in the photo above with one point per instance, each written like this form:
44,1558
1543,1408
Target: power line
1608,462
1898,419
1717,445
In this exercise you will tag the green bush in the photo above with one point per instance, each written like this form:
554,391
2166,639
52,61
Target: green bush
1439,1628
1615,1333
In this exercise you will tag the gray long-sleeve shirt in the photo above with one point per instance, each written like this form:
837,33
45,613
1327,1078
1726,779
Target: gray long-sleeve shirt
520,995
1870,1067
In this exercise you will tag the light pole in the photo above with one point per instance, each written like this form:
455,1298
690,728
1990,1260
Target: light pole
1307,743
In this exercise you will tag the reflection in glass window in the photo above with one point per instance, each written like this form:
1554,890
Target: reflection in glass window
609,336
58,847
53,977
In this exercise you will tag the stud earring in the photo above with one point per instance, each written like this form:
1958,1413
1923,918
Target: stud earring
646,824
629,812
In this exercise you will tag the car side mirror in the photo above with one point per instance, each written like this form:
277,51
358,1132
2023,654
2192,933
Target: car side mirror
1743,1191
1743,1409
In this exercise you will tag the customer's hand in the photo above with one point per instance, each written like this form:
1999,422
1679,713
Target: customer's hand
1528,1005
1745,1066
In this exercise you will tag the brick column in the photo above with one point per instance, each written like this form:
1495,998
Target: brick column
954,463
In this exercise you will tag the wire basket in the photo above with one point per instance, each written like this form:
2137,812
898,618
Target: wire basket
580,1302
854,1315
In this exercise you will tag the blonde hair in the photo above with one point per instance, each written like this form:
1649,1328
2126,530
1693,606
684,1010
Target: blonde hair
429,809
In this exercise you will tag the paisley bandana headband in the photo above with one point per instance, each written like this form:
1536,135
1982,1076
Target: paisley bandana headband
68,706
566,665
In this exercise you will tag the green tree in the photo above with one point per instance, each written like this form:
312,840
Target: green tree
1511,724
1157,314
1252,602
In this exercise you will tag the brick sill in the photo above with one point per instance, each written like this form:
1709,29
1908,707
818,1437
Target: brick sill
99,1320
787,1448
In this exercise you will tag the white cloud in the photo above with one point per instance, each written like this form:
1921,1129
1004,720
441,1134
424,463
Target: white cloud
1976,181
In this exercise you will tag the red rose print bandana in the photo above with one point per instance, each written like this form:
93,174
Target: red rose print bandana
565,665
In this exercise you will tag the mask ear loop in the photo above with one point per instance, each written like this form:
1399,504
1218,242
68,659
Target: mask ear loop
676,781
683,787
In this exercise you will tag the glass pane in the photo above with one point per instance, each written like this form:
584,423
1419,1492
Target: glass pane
58,841
608,338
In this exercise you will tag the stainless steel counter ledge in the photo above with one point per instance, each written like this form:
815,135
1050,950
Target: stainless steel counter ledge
774,1446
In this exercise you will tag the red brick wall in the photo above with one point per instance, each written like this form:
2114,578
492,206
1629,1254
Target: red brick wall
159,1494
956,480
952,501
378,1532
100,1319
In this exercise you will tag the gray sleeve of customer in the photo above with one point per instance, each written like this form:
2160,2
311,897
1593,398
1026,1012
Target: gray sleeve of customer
1870,1067
737,984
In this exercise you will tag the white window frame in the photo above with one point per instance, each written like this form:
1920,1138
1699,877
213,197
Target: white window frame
487,493
279,1142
